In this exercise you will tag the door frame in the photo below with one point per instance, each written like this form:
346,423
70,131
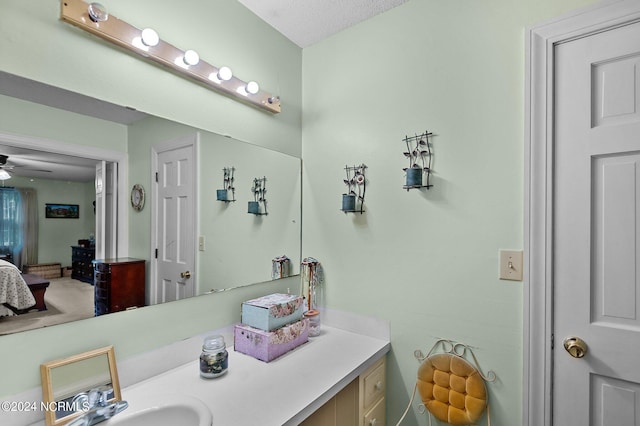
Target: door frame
192,140
539,181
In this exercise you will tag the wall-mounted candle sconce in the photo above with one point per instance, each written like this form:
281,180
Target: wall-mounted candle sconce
419,155
95,19
259,204
353,199
228,193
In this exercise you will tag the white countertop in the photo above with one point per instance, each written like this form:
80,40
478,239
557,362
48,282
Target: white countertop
282,392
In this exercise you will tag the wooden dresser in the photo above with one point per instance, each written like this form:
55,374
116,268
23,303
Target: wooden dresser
81,258
119,284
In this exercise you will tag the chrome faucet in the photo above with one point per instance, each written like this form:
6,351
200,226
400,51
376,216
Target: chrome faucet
98,408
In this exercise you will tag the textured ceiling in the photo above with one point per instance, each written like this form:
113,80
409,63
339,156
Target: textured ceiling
306,22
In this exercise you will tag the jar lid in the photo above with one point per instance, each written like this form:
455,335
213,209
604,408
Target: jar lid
311,313
213,342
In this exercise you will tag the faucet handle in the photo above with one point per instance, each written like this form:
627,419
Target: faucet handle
99,396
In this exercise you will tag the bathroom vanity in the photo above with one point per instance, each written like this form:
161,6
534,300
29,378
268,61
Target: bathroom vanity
338,375
335,378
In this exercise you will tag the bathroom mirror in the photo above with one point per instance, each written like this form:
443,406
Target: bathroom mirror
64,379
232,248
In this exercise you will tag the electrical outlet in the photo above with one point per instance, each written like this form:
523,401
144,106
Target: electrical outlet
201,243
511,265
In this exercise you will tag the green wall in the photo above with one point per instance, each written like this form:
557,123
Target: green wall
232,236
18,117
56,236
427,261
37,45
455,68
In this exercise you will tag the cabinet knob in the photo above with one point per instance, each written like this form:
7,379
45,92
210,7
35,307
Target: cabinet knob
379,386
373,422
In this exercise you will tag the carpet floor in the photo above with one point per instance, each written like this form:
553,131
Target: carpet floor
66,299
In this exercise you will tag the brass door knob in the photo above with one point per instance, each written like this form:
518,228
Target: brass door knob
185,274
576,347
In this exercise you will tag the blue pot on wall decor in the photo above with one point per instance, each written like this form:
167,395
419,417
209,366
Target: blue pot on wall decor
414,176
348,202
254,207
222,195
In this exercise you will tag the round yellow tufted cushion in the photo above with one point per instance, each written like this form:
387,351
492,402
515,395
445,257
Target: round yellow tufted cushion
452,389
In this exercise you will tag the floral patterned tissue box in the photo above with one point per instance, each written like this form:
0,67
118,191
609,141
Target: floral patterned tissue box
272,311
269,345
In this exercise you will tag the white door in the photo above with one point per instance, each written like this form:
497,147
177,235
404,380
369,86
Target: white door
175,223
106,184
597,229
101,209
111,211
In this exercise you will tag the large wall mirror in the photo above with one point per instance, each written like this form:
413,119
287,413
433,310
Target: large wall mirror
53,140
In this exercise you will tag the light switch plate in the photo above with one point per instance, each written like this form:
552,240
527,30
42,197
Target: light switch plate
511,265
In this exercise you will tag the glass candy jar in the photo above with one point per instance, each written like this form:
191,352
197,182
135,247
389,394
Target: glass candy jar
214,359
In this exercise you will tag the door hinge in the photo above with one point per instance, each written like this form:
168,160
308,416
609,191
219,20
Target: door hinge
552,338
156,253
156,177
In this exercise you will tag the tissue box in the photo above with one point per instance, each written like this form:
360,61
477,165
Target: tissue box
272,311
269,345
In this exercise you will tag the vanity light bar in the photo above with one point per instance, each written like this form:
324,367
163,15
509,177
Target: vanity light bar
116,31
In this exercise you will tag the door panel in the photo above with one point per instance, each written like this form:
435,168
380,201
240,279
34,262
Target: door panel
616,401
615,279
615,91
596,238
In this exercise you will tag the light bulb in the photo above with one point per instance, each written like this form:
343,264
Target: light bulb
97,12
4,175
225,74
150,37
191,57
252,87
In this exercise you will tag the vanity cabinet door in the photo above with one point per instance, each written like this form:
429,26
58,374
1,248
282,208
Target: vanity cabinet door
341,410
361,402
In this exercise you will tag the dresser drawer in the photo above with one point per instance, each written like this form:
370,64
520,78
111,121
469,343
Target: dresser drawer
101,277
376,416
374,384
103,267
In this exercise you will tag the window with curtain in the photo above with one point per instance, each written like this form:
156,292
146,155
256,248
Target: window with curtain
19,225
11,221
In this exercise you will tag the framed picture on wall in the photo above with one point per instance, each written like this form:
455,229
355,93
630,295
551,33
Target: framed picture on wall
62,211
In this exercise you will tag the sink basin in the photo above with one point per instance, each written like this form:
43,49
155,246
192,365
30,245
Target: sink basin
163,410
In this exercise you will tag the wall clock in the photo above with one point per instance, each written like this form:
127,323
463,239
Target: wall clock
137,197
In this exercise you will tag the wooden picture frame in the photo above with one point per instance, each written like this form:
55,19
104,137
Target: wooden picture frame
64,378
62,211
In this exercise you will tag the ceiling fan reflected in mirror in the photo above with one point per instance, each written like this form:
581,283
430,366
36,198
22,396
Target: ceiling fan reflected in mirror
4,174
7,168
